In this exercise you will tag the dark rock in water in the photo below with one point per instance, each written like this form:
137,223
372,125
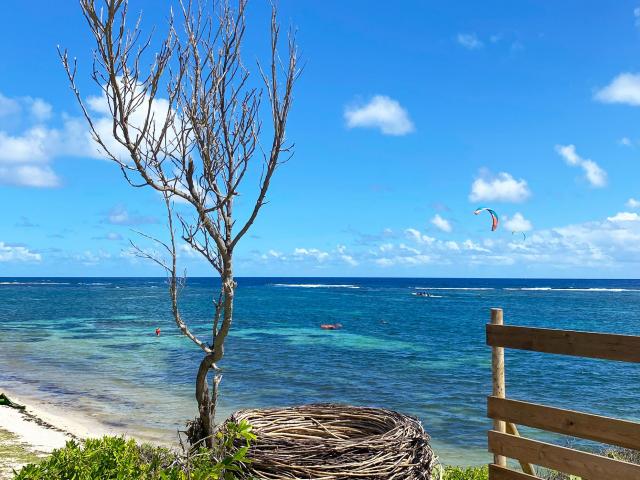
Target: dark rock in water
4,400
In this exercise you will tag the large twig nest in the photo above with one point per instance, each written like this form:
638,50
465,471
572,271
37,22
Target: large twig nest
331,442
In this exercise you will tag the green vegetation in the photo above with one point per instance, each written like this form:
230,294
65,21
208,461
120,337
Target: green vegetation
116,458
13,452
624,454
464,473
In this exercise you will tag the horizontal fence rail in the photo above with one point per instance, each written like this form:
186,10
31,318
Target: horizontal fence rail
607,346
497,472
504,440
608,430
568,460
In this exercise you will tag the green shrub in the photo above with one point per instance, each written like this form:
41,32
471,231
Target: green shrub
108,457
463,473
116,458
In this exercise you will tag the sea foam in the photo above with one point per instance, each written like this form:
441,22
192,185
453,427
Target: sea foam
312,285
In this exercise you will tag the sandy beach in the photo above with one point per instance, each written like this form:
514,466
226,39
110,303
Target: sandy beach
24,438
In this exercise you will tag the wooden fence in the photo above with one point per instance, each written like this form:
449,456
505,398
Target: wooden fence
504,440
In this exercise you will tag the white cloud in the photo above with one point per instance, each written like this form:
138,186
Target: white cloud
318,255
636,14
30,146
405,248
103,123
568,152
313,256
633,203
594,174
8,106
28,176
609,244
13,253
386,247
451,245
381,112
517,223
189,252
384,262
113,236
26,153
40,110
469,41
90,258
37,136
624,217
626,141
625,88
272,255
349,260
37,108
405,260
502,188
441,223
119,215
418,237
473,246
345,257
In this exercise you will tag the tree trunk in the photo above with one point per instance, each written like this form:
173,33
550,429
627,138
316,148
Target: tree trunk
207,402
206,407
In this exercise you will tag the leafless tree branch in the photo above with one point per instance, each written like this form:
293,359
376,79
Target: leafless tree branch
187,122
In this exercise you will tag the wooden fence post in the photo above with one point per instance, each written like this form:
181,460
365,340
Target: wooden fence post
497,370
499,390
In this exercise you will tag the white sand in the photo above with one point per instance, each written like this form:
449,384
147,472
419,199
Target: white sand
50,417
37,431
43,427
38,437
24,438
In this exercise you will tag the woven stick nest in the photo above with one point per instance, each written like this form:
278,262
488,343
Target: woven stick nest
331,442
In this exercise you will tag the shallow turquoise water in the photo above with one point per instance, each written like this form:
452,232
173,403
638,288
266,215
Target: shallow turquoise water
90,344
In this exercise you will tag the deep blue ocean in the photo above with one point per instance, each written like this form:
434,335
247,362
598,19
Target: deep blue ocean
89,344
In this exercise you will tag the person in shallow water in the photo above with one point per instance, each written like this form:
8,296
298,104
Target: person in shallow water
331,326
158,332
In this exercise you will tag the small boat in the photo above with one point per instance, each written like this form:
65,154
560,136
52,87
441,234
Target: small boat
331,326
425,295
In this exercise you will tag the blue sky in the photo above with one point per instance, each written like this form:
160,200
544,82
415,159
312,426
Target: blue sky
405,120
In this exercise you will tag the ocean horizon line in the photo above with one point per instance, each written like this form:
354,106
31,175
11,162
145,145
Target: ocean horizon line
316,277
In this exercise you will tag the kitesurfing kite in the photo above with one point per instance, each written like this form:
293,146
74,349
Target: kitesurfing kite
524,235
494,216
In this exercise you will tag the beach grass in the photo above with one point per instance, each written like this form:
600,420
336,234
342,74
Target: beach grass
14,454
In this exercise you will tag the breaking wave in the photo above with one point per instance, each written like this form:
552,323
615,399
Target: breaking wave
453,288
312,285
549,289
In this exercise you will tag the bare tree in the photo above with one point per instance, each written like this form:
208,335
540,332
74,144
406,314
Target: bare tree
189,125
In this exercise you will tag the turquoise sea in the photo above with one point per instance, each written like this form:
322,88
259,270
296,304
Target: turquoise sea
89,344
